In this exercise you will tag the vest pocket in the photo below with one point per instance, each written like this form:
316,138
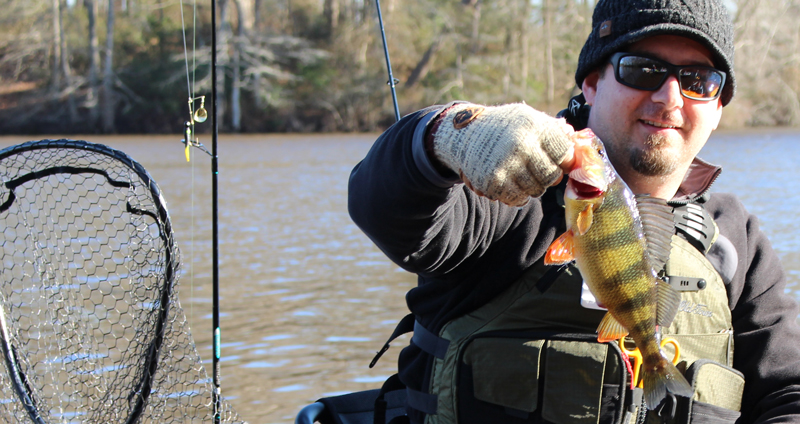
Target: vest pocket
704,413
503,374
517,379
573,382
718,392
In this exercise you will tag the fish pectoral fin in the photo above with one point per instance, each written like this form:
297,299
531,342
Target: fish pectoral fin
610,329
560,251
668,301
585,218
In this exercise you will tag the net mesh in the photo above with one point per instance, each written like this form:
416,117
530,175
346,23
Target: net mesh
92,329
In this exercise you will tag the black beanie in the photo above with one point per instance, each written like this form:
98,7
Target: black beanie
619,23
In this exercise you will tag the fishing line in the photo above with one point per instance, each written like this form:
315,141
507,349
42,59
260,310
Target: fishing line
190,86
200,115
186,52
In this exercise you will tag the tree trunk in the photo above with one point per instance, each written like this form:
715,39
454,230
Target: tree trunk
246,15
331,13
65,70
236,87
108,103
257,15
223,37
476,21
423,66
525,49
94,60
55,79
547,12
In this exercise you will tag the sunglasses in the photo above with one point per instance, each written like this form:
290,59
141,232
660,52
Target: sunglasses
644,73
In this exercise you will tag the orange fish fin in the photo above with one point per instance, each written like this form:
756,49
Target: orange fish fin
610,329
660,378
668,302
560,251
585,218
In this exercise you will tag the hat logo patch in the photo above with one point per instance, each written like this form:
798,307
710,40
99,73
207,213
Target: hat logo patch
605,29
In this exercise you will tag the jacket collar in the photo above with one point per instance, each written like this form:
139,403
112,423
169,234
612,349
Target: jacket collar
697,182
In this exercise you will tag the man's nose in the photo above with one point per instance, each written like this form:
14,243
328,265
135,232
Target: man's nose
669,93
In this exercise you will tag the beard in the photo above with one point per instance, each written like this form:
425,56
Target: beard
651,160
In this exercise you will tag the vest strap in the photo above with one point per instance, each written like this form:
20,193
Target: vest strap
403,327
695,225
422,402
391,384
549,277
429,342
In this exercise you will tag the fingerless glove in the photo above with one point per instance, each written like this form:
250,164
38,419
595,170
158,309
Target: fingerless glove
507,153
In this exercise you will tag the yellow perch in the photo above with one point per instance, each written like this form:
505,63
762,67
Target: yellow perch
618,242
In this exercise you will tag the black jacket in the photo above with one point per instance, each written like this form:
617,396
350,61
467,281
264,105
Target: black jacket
467,249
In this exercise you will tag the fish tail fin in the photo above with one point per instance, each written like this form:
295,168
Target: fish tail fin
662,378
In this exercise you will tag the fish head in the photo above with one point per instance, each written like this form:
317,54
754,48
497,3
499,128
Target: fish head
592,173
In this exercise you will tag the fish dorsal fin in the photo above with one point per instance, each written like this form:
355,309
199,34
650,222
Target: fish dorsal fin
658,226
610,329
668,302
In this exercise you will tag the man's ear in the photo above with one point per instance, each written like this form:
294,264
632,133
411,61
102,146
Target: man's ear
589,86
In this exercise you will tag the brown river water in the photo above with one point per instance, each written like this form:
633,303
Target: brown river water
306,299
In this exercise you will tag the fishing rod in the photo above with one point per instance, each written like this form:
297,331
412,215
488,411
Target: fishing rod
392,80
217,397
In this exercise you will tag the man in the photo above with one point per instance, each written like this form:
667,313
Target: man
464,196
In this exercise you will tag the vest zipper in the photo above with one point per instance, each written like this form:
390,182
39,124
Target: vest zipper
641,416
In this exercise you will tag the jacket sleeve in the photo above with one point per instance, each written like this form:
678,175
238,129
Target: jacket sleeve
766,331
424,222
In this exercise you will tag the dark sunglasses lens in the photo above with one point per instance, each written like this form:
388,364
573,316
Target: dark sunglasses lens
700,83
641,72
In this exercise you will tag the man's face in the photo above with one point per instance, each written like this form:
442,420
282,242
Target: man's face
652,133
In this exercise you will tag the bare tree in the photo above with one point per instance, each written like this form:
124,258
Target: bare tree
547,13
223,37
55,80
94,62
524,48
475,40
236,87
331,13
108,109
425,62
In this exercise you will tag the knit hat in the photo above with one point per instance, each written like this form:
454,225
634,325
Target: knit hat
619,23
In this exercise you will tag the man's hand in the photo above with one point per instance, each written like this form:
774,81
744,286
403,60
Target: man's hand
507,153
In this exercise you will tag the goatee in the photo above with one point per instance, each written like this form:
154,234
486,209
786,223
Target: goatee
651,160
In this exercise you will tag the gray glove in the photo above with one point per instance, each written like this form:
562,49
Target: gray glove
507,153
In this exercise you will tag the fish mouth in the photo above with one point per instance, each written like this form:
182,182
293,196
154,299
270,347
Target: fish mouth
584,191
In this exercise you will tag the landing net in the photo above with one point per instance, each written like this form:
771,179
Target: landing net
91,326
